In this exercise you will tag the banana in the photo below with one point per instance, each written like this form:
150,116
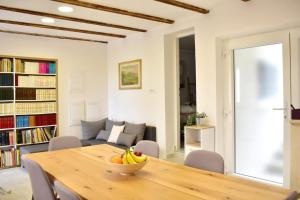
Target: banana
124,159
129,158
138,159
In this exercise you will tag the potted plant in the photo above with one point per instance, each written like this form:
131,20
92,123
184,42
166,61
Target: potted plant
200,118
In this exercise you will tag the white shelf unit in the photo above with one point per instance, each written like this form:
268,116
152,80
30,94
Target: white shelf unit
14,101
199,138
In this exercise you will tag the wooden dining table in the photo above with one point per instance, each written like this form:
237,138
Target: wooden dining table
86,171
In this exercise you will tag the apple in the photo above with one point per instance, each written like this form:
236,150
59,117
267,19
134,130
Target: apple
137,153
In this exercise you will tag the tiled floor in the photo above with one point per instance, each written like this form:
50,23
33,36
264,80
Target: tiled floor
177,157
14,184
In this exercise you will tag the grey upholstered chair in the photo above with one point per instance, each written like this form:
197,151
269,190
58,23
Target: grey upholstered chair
41,186
205,160
64,142
64,193
293,196
148,148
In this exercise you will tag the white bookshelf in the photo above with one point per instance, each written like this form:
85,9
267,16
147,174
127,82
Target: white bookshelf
199,137
14,87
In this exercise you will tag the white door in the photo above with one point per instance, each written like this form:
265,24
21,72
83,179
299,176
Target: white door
295,66
256,106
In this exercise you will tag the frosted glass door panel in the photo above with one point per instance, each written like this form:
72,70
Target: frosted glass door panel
259,117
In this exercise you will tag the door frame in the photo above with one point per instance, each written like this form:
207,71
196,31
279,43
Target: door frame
229,119
177,80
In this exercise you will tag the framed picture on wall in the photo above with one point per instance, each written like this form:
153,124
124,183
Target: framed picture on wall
130,75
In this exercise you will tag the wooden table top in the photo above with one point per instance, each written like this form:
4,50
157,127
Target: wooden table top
85,170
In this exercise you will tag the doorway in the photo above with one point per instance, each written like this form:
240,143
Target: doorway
257,98
187,81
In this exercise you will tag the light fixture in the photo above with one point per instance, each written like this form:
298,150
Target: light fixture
48,20
65,9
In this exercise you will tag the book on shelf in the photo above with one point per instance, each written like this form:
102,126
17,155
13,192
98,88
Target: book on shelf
6,65
45,94
35,108
7,138
36,120
35,94
37,135
35,81
25,94
30,67
6,93
6,79
8,157
6,108
7,122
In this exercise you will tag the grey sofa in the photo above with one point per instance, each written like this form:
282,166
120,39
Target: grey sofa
95,127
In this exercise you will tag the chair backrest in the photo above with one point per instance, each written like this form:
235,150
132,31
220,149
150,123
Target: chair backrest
41,186
148,148
64,193
205,160
293,196
64,142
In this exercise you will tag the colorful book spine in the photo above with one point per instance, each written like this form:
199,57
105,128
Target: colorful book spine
6,94
25,94
6,122
8,158
37,81
6,80
29,67
35,108
20,66
6,108
45,94
6,138
37,135
6,65
36,120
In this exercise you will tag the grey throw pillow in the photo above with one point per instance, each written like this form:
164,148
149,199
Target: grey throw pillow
103,135
110,124
135,129
90,129
126,139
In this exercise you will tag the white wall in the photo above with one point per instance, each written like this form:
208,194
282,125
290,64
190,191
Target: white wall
231,18
89,59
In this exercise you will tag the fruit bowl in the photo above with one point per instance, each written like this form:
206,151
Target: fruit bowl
126,168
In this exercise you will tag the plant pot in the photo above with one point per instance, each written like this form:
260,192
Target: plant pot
200,121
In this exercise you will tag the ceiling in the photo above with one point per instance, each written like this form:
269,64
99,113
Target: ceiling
149,7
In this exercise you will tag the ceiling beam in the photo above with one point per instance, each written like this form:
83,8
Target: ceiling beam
184,6
115,10
74,19
52,36
61,28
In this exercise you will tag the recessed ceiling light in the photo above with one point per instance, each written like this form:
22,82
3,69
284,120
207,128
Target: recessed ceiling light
48,20
65,9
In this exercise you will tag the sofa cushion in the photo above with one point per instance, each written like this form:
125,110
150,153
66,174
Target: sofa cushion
109,124
92,142
90,129
126,139
115,132
103,135
135,129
